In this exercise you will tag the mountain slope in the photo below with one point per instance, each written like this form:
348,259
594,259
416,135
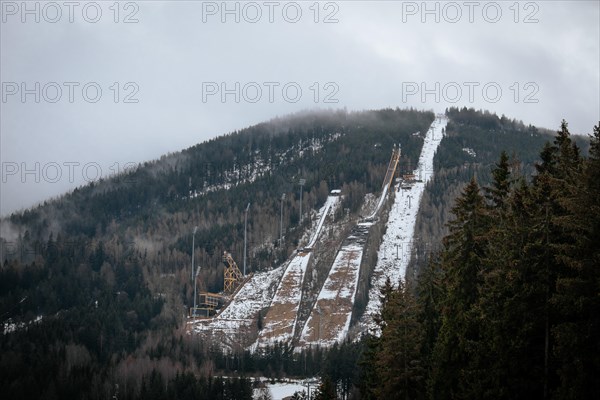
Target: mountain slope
94,285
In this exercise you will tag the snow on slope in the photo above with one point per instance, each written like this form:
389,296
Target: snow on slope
396,247
329,319
280,322
253,296
331,202
380,203
243,309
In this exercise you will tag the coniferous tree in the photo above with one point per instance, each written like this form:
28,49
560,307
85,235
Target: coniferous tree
430,294
577,299
501,182
326,390
559,167
461,262
368,379
399,361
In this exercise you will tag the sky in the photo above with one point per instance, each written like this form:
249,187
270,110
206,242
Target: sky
91,88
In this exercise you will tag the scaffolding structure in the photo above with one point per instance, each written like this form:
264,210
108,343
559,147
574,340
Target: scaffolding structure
233,276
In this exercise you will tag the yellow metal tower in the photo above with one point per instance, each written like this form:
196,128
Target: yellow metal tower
233,276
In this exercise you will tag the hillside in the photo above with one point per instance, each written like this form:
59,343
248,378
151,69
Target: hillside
95,285
471,147
115,255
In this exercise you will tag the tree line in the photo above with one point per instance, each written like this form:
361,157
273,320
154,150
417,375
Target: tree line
509,308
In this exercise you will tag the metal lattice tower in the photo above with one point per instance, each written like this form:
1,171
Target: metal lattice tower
233,276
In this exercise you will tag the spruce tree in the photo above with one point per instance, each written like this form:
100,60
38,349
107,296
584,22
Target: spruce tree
509,309
326,390
577,299
461,262
399,363
429,297
369,378
501,182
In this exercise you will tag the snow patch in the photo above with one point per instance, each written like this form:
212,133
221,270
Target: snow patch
280,321
396,247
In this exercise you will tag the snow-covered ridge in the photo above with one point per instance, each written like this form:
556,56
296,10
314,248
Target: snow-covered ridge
397,243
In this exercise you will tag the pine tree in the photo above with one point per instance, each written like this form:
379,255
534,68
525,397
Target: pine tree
523,266
368,379
385,296
509,309
501,182
560,166
429,297
461,262
577,300
399,362
326,390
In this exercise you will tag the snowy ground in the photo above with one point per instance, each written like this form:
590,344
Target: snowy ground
380,203
327,209
329,319
396,247
386,182
9,326
280,322
279,390
255,295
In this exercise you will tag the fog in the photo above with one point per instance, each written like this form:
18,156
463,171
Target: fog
90,89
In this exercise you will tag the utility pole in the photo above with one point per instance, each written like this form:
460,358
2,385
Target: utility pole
318,311
245,228
193,276
195,287
302,182
281,221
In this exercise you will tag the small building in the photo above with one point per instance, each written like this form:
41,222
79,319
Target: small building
200,312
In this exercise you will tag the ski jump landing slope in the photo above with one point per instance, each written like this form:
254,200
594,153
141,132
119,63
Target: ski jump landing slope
280,321
397,243
329,319
231,325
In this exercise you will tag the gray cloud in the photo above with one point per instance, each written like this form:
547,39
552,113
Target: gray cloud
368,57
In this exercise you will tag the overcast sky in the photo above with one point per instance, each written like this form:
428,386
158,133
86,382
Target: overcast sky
90,87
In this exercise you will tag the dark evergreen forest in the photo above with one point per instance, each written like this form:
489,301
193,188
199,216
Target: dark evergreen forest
510,307
93,285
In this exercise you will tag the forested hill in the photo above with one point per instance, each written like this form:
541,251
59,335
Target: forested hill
149,213
509,306
94,285
471,148
317,146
